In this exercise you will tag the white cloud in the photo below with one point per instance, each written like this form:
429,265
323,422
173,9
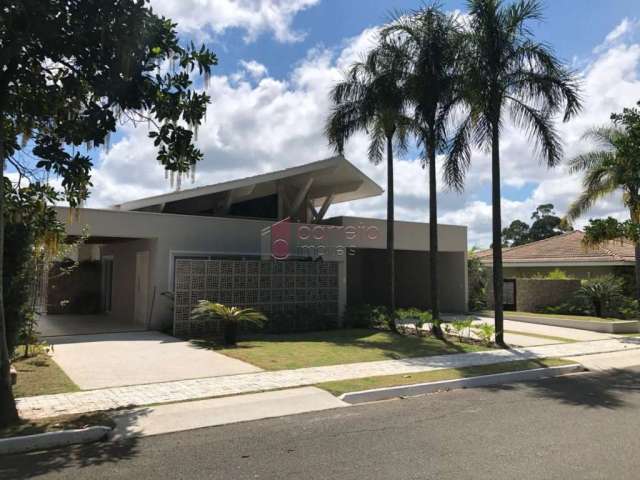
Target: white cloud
254,16
270,123
624,27
253,68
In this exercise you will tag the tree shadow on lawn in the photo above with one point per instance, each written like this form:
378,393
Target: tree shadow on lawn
391,345
589,390
69,459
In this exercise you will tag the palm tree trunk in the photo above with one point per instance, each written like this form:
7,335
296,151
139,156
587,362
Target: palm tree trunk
390,233
638,271
635,218
8,411
498,282
433,240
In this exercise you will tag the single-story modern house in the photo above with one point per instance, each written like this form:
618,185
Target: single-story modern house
567,253
263,242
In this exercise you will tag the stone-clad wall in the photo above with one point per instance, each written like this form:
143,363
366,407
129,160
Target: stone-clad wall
533,294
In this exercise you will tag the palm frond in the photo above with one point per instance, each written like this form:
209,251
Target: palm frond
458,159
596,188
590,160
540,128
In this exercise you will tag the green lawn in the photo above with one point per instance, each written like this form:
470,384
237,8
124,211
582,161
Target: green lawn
284,352
40,375
584,318
358,384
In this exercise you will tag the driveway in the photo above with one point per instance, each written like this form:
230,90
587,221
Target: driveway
133,358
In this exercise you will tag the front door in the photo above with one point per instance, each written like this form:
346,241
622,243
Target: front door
142,288
509,294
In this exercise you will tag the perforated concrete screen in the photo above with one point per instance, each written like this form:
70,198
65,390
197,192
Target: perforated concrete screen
268,286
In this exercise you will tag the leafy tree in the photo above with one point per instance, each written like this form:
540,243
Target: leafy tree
370,99
428,45
231,318
69,71
613,166
545,225
509,72
516,234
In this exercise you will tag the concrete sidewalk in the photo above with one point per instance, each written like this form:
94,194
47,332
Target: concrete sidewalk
196,389
176,417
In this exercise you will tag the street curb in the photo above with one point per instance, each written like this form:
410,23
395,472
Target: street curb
44,441
378,394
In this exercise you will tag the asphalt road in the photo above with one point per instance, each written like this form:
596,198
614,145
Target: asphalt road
582,427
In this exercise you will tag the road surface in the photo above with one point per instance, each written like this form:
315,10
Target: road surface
581,427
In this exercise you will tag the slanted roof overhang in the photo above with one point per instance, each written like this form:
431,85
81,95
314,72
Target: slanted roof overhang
333,176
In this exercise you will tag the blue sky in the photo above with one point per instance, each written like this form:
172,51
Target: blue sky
279,58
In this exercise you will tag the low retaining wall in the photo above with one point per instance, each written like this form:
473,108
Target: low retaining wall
618,326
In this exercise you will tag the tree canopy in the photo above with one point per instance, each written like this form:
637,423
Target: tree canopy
545,225
71,72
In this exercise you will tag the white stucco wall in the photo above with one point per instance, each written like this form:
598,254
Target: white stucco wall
171,235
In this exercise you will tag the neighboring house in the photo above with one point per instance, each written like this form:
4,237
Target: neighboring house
219,242
567,253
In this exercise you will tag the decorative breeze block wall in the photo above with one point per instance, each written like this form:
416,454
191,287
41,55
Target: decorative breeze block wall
271,287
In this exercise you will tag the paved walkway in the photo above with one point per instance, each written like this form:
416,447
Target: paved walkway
138,395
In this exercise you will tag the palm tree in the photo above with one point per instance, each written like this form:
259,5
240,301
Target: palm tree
428,44
609,168
231,318
370,99
508,71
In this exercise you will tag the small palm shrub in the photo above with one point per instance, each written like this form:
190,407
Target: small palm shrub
603,293
459,326
485,332
413,316
230,317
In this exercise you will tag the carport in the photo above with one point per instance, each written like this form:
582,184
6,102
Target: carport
107,292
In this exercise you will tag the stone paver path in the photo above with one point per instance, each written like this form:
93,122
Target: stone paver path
138,395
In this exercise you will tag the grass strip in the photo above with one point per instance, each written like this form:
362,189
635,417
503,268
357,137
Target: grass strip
358,384
56,424
41,375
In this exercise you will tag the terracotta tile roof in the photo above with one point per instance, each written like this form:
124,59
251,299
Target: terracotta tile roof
563,249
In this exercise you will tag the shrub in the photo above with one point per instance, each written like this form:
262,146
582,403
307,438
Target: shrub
303,320
459,326
478,278
485,332
629,308
557,274
413,316
576,306
18,278
358,316
603,293
231,318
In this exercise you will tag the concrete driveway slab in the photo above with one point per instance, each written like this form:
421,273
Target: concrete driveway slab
610,361
133,358
177,417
